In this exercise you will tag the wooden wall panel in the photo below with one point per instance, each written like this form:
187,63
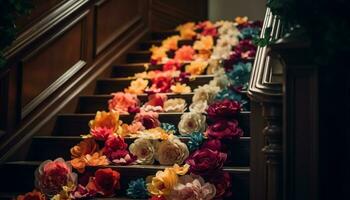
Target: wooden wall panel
55,60
112,18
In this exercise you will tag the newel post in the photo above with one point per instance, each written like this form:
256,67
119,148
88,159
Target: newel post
272,113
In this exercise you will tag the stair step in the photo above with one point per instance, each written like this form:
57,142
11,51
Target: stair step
148,44
59,146
92,103
138,56
19,177
160,35
129,70
110,85
77,124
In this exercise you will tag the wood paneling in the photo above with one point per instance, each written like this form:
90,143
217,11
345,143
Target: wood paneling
113,18
55,60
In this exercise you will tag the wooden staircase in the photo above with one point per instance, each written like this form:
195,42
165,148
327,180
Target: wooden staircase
18,176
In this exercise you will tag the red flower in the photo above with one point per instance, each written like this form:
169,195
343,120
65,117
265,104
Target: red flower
213,144
224,109
101,133
222,182
161,84
171,65
234,58
156,99
206,161
32,196
113,147
157,198
105,182
210,31
122,157
224,129
185,53
246,48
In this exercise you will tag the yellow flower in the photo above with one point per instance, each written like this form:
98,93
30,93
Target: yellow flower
171,42
187,30
196,67
205,43
105,119
95,159
163,183
180,88
158,53
181,170
241,20
154,133
137,86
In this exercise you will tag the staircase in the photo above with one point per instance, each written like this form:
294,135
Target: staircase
18,176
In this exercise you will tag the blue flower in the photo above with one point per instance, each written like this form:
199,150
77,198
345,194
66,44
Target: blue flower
250,32
137,189
168,127
195,141
240,75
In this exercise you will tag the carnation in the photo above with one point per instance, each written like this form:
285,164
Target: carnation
171,151
191,122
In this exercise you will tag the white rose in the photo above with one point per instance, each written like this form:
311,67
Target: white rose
191,122
199,107
171,151
205,93
174,105
144,150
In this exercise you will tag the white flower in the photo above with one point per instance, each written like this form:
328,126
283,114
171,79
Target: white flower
221,52
192,187
199,106
220,79
191,122
175,105
213,66
171,151
144,150
148,108
227,40
205,93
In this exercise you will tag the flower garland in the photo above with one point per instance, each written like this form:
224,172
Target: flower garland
212,119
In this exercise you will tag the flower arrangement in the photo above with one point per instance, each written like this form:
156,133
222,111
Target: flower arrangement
223,49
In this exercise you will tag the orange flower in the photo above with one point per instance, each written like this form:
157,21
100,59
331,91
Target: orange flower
241,20
105,119
87,146
130,130
203,54
171,42
35,195
180,88
187,30
205,43
185,53
196,67
158,53
96,159
137,86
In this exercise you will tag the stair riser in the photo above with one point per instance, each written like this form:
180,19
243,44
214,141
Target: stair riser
20,179
163,35
75,125
238,153
148,45
109,86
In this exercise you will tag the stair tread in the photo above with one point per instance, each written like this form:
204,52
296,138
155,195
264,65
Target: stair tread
134,78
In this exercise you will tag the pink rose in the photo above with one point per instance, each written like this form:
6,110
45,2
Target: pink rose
206,161
101,133
224,109
50,176
148,119
224,129
122,102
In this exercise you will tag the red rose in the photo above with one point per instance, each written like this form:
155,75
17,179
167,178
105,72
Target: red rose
213,144
105,182
157,198
115,142
206,161
224,109
224,129
161,84
222,182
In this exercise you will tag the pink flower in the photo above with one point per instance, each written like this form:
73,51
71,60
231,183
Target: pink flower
224,129
122,102
115,148
148,119
212,31
171,65
224,109
156,99
185,53
160,84
80,192
122,157
50,176
101,133
213,144
206,161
